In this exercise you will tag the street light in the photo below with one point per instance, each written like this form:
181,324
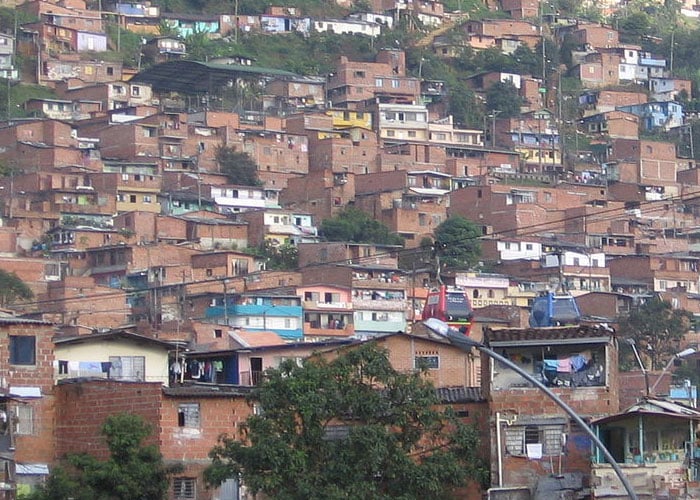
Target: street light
465,343
633,345
679,355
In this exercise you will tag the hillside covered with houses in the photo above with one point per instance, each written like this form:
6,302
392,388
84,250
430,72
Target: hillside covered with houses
166,176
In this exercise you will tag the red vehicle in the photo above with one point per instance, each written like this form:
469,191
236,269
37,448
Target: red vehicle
451,305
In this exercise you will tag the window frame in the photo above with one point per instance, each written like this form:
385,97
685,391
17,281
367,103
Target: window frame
185,488
17,355
23,420
186,418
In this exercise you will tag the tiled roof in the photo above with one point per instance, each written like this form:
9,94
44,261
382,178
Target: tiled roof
460,395
557,333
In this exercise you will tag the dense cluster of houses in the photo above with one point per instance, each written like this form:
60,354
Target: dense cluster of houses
116,213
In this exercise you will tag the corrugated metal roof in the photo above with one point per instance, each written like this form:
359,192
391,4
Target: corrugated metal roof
191,77
209,391
11,320
460,395
653,407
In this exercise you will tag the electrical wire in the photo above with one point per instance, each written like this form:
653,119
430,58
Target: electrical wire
534,229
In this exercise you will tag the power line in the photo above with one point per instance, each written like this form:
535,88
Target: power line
600,216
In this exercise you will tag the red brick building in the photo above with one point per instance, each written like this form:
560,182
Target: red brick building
579,364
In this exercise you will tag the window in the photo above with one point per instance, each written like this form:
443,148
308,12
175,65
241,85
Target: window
431,362
146,199
188,415
132,198
184,488
110,70
378,82
395,84
411,133
135,91
549,437
218,333
128,368
22,350
24,424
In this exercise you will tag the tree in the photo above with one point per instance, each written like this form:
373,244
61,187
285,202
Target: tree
352,427
133,471
238,166
464,106
284,257
356,226
504,98
634,27
657,329
12,288
457,242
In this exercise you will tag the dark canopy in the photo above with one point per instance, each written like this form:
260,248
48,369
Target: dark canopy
193,77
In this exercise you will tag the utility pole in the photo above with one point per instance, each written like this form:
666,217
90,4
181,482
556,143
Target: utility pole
494,114
235,20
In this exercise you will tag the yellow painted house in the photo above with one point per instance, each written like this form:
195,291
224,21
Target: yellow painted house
115,354
348,118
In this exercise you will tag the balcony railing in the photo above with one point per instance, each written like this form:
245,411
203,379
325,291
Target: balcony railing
251,377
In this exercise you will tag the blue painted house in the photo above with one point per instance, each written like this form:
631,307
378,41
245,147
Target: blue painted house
657,115
270,311
189,24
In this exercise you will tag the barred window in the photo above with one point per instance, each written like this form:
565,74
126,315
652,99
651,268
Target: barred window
184,488
23,419
188,415
518,437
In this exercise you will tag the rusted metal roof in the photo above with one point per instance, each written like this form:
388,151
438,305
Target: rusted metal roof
550,335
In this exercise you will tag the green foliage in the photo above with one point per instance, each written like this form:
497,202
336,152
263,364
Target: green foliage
11,18
314,54
395,444
551,58
353,225
13,289
657,329
166,29
464,106
284,257
133,472
238,166
504,98
127,44
199,46
457,242
19,94
634,27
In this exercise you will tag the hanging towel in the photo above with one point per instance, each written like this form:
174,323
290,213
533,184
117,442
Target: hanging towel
564,365
551,364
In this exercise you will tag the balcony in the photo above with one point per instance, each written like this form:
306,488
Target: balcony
379,305
327,306
251,378
318,329
173,130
